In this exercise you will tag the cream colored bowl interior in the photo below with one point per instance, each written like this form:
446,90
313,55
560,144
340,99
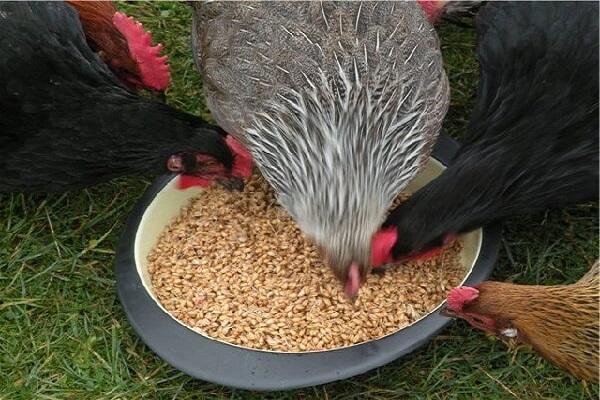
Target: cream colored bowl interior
168,203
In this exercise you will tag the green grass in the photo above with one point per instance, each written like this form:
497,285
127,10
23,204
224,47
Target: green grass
64,335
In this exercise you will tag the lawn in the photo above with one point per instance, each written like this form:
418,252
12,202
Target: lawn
65,336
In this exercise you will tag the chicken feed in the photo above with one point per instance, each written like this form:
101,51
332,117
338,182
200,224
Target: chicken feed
236,268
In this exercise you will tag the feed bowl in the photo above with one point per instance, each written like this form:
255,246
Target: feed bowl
219,362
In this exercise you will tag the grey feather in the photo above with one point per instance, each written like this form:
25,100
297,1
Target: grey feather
339,103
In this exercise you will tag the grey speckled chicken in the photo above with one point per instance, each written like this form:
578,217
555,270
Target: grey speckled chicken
339,103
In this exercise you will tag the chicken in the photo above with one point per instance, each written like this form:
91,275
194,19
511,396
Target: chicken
339,104
559,322
123,45
66,122
532,140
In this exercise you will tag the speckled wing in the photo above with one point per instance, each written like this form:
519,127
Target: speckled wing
339,104
251,52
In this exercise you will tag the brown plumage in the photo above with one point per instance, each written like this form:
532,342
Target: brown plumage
123,45
96,20
560,322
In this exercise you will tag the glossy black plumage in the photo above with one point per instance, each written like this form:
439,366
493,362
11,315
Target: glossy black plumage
532,141
66,122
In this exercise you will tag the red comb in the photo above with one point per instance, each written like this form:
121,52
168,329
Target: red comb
460,296
242,160
153,67
432,8
381,246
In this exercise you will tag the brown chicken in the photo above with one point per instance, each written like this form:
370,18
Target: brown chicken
560,322
123,45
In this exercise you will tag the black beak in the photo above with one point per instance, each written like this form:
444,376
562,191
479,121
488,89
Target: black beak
446,312
234,184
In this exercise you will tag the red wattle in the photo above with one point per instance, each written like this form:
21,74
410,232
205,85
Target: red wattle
242,162
188,181
381,246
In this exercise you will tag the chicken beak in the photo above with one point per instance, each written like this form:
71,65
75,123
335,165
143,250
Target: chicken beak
233,184
352,284
446,312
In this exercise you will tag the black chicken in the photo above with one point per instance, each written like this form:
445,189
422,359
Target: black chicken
66,121
532,141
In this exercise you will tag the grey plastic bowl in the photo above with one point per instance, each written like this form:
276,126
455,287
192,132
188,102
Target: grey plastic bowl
244,368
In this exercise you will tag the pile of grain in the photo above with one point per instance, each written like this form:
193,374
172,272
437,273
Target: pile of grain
236,267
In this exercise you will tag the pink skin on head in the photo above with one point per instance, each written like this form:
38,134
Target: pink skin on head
353,281
433,9
460,296
154,69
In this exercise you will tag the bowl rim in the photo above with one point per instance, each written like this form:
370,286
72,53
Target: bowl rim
244,368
